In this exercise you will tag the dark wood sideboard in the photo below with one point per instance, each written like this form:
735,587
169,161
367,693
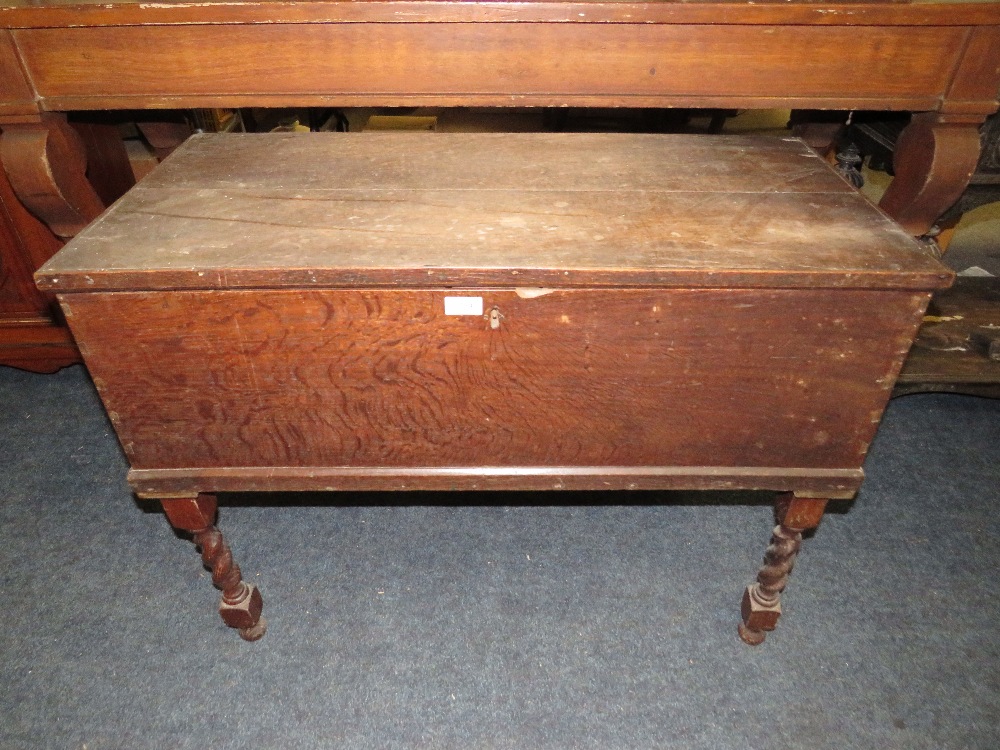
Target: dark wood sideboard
939,60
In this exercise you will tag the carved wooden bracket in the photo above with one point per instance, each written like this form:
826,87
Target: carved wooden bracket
46,163
934,160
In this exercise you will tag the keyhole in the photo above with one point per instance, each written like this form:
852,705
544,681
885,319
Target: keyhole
495,317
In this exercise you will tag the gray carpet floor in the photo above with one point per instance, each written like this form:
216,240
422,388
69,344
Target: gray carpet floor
497,620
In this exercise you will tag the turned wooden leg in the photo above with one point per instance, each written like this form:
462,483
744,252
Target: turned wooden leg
241,603
762,600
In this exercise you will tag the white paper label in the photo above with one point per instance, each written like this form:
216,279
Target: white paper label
463,305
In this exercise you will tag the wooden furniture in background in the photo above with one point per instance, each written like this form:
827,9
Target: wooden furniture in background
494,311
958,348
938,59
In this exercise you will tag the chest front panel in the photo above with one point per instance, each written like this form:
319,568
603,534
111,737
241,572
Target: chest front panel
610,377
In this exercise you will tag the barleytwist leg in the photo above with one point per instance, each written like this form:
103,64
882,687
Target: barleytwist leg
762,600
241,603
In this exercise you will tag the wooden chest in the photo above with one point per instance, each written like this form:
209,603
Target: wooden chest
493,311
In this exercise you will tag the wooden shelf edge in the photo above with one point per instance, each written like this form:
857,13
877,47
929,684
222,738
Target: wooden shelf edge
942,359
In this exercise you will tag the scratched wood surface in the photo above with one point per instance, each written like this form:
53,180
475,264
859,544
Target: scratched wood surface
389,209
786,379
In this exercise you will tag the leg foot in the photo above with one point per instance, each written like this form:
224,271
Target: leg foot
256,632
241,603
751,637
761,607
760,613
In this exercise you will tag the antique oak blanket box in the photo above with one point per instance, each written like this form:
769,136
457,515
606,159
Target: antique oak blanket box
382,311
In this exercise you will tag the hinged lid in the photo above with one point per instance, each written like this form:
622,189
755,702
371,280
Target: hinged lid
507,210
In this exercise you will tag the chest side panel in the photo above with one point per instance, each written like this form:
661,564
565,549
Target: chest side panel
573,377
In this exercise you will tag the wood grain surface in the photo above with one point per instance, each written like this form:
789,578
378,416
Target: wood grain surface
16,96
587,378
649,311
482,63
389,209
56,13
835,484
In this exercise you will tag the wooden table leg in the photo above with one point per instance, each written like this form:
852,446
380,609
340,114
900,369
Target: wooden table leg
762,600
241,603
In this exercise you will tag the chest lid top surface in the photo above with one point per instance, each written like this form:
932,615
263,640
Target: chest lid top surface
507,210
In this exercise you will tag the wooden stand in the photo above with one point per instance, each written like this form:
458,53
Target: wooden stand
483,311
